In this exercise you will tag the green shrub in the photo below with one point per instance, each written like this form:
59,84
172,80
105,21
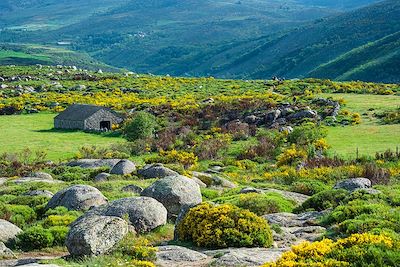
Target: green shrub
306,134
224,226
138,248
35,237
30,201
17,214
59,234
308,187
59,220
142,126
324,200
259,204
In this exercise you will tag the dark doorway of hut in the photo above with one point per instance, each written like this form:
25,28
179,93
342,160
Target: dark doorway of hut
105,125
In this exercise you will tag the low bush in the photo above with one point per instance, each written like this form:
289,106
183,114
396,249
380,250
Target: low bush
224,226
357,250
59,220
35,237
324,200
259,204
17,214
308,187
142,126
59,234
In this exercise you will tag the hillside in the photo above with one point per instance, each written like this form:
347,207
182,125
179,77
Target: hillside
376,61
305,49
24,54
175,37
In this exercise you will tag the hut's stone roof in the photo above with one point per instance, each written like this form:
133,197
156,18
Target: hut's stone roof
80,112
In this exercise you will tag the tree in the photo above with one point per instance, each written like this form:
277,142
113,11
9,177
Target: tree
142,126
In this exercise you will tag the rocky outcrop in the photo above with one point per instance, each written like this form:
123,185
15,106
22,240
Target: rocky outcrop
244,256
156,170
174,192
93,163
95,235
143,213
8,231
295,228
77,197
123,167
171,256
353,184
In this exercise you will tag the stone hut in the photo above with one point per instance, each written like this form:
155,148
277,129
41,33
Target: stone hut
87,117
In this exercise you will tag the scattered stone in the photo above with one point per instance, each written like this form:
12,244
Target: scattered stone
123,167
132,188
222,182
244,256
93,163
77,197
42,175
371,191
5,252
144,213
174,192
156,170
101,177
353,184
95,235
177,256
8,231
308,113
36,180
286,219
44,193
247,190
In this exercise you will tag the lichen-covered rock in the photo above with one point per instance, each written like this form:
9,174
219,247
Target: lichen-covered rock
123,167
5,252
174,192
353,184
143,213
42,175
156,170
3,180
77,197
101,177
36,180
8,231
93,163
95,235
244,256
177,256
44,193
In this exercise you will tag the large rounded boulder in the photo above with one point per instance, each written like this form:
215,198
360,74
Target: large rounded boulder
156,170
8,231
77,197
95,235
123,167
174,192
143,213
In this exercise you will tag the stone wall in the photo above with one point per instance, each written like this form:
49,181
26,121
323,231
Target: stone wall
65,124
93,122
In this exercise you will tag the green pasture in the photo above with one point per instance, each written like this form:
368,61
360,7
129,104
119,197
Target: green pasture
370,136
36,133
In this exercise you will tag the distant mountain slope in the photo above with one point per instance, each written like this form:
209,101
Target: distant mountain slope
376,61
163,36
305,49
24,54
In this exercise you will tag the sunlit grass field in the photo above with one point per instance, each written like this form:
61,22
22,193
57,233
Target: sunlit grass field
36,133
370,136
